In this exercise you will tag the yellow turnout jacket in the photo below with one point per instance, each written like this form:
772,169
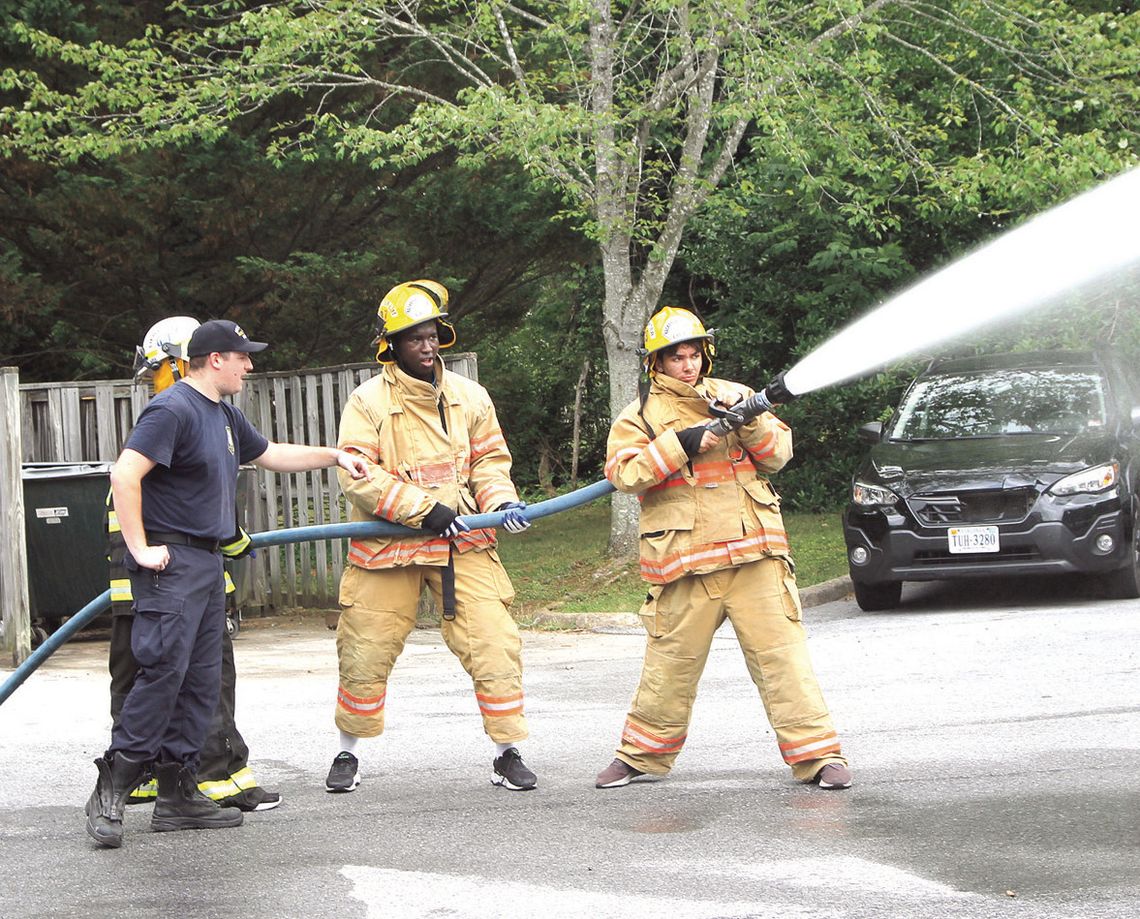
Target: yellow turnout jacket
427,443
718,511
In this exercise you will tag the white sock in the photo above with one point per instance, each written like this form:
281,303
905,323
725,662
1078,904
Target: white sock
347,742
501,748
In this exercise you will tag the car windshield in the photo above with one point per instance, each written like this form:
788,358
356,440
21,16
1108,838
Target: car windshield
991,403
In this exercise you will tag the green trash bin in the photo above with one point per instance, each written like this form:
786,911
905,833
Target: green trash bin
64,507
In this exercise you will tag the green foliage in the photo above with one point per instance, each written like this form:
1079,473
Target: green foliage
286,162
532,368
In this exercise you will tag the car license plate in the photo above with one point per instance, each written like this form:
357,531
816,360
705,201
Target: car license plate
973,539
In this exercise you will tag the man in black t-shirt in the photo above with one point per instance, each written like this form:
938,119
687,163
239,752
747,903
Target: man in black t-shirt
174,486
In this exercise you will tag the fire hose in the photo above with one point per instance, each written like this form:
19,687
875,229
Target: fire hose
291,535
725,420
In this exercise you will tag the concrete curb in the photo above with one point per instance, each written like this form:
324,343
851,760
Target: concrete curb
816,595
826,592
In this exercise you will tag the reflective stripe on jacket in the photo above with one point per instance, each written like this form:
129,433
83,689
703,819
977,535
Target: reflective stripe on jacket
715,512
394,421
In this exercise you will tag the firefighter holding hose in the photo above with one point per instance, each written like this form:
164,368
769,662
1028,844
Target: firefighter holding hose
433,442
712,546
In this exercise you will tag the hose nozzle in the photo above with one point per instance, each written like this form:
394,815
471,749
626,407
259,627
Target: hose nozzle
775,393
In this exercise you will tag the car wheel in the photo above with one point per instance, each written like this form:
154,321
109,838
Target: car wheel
871,597
1124,583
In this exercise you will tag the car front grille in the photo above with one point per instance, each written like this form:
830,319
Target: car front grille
944,557
1001,505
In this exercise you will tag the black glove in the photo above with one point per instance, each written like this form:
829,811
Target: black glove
443,521
691,439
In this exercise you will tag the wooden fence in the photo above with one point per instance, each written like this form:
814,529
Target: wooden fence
89,422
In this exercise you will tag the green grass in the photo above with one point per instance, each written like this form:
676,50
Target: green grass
560,562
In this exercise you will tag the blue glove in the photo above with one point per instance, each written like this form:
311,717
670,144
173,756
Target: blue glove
456,527
513,521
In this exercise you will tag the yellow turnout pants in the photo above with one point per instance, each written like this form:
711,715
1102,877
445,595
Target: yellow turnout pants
761,600
378,610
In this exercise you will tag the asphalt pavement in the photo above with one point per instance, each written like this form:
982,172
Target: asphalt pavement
992,728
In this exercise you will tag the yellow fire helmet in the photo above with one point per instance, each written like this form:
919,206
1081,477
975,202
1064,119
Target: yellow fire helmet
672,325
409,304
162,354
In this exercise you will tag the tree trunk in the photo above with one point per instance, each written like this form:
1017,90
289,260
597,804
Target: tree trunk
623,327
545,476
578,390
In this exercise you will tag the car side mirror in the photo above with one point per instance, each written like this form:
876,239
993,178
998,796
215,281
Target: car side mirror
872,432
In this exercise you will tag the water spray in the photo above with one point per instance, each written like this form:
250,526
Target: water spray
1073,244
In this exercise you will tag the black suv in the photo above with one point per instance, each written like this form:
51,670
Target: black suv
1006,464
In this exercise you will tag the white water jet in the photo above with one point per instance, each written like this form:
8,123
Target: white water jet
1070,245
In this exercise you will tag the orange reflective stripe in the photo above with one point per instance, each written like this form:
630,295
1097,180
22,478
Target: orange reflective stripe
429,552
765,448
672,565
484,445
491,496
500,705
367,451
385,510
705,474
475,539
658,459
720,471
645,740
357,705
797,751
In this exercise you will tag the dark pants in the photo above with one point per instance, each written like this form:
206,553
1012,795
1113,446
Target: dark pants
225,752
176,639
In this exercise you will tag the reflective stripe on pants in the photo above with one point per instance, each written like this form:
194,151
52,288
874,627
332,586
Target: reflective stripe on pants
378,610
761,601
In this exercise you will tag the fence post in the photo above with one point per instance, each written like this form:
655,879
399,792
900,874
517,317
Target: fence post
15,610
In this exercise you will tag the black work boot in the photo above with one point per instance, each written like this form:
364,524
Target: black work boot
119,775
181,806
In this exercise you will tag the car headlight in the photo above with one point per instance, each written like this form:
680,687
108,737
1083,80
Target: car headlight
867,495
1088,481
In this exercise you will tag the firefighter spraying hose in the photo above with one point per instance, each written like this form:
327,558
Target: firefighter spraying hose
1076,243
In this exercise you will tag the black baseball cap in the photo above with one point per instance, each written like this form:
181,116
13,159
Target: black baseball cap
221,335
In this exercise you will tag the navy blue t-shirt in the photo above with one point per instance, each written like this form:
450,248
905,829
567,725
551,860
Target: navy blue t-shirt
198,445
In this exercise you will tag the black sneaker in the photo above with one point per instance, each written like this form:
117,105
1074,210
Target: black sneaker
344,774
255,798
511,772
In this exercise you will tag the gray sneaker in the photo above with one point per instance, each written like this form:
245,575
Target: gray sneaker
616,774
509,771
834,776
344,774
